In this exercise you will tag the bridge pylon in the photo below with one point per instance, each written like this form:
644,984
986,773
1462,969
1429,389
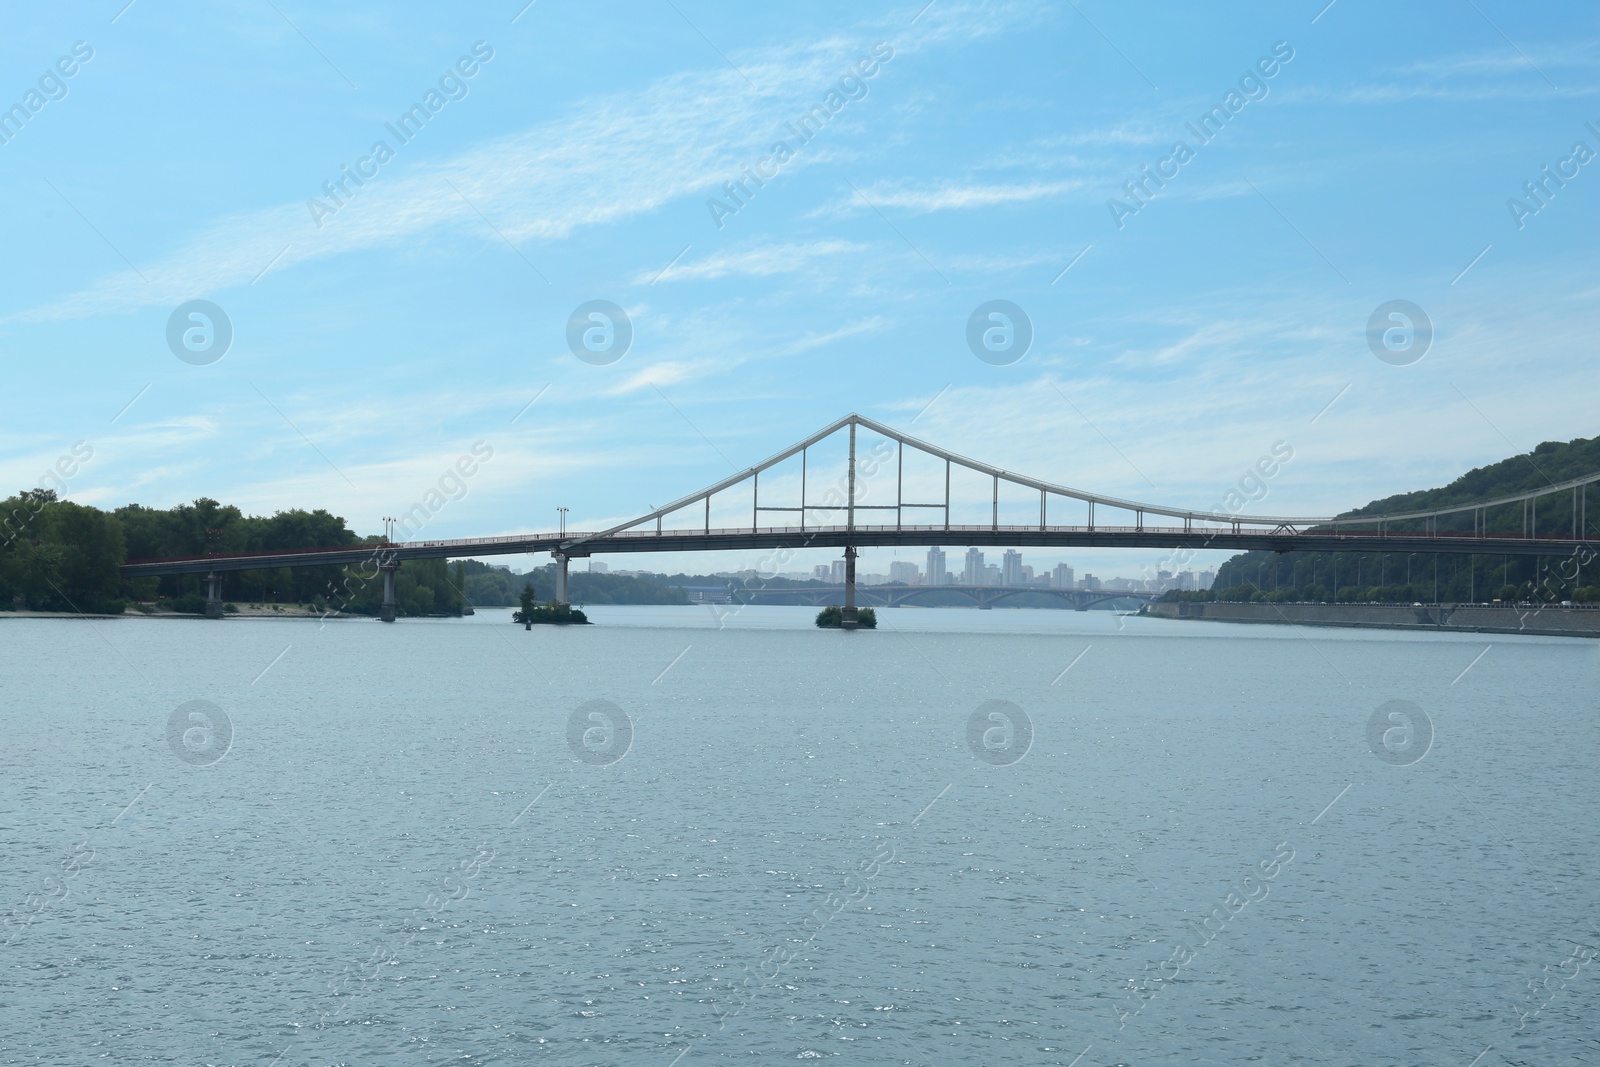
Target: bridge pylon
389,612
213,595
848,619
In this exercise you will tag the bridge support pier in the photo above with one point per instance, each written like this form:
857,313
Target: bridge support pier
561,576
848,619
213,596
388,613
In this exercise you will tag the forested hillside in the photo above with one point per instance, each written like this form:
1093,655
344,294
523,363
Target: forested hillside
1399,577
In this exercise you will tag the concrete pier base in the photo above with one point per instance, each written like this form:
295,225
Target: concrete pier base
213,596
388,613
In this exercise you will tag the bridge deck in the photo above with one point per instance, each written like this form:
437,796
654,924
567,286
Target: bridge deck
795,537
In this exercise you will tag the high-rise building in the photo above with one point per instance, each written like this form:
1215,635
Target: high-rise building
838,572
1011,568
1090,581
822,571
937,575
991,574
1061,577
973,575
902,571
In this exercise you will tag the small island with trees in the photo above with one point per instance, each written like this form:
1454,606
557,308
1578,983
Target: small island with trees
553,613
832,618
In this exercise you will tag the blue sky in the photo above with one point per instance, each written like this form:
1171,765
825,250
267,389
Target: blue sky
375,341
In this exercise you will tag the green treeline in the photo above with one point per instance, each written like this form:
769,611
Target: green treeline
56,555
1446,577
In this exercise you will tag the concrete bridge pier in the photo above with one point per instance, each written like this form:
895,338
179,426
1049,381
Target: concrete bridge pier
848,619
388,614
560,559
213,596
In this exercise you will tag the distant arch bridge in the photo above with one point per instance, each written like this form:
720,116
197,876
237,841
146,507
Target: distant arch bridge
892,596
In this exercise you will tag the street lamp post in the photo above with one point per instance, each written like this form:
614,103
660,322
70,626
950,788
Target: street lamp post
563,512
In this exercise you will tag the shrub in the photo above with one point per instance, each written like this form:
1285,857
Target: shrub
832,618
187,604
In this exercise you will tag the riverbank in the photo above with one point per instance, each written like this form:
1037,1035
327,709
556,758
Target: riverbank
151,611
1543,620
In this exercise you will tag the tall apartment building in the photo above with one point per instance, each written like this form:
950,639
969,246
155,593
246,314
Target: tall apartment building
973,575
1011,568
937,575
902,571
1061,577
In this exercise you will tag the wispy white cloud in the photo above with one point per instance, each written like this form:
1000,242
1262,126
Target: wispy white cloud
667,372
1496,74
758,262
809,341
950,196
612,157
1502,60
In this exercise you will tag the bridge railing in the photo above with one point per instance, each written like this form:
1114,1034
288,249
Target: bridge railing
1343,530
542,542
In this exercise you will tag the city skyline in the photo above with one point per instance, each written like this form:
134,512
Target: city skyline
908,572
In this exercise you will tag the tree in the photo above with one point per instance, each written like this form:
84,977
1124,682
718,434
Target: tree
56,555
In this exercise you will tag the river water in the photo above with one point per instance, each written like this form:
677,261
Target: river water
969,837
